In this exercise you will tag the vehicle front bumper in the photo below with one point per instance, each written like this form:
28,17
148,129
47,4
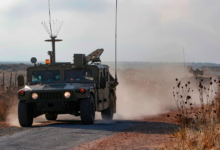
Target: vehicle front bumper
52,96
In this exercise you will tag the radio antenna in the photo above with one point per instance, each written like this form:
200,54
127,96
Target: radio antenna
116,19
53,32
50,18
184,61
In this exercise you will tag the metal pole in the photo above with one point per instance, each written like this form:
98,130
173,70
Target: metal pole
51,33
184,60
53,48
116,19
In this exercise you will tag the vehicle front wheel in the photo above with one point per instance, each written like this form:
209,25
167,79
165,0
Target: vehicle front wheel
108,113
87,110
51,116
25,114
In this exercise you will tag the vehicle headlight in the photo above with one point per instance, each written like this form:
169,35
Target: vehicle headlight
34,95
67,94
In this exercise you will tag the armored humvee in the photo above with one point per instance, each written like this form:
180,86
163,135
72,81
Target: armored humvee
78,88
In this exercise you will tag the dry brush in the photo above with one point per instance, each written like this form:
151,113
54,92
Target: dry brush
199,122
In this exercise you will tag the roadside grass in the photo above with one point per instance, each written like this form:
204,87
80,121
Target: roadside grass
7,100
200,124
8,87
3,109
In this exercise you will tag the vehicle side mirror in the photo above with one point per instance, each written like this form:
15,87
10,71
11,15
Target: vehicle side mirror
20,79
102,83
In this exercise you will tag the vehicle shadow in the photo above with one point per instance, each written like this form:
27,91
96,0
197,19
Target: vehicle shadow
146,127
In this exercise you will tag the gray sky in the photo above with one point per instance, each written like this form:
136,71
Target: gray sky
148,30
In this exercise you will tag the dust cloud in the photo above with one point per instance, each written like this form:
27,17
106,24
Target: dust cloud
12,115
146,92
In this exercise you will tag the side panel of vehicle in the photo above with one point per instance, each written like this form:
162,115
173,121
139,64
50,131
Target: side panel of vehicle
103,93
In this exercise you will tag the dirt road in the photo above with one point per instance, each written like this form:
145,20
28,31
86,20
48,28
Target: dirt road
147,133
60,135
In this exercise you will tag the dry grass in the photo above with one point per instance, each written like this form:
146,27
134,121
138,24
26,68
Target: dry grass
8,87
7,100
8,96
3,109
200,126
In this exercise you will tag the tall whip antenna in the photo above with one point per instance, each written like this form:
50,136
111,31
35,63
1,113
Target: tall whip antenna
50,18
184,60
116,19
53,31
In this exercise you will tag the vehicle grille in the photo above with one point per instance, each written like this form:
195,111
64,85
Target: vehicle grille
50,95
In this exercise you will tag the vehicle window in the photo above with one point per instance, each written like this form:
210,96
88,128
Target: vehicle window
78,75
49,75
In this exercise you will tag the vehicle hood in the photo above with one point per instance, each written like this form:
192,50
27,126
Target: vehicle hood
61,86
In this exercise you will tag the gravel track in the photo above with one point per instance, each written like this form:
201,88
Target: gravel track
153,133
63,134
150,133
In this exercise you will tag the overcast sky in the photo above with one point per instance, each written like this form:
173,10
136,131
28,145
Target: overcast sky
148,30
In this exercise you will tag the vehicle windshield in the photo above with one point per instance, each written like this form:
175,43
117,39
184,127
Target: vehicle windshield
78,75
49,75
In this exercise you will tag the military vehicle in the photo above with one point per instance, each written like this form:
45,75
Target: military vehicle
79,88
195,72
204,71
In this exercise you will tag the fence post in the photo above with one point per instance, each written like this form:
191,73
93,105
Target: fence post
15,79
3,84
10,80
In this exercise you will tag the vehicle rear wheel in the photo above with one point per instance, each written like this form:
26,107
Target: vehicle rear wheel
25,114
108,113
51,116
87,110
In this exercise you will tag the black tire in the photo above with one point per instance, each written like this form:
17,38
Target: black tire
108,113
51,116
87,110
25,114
